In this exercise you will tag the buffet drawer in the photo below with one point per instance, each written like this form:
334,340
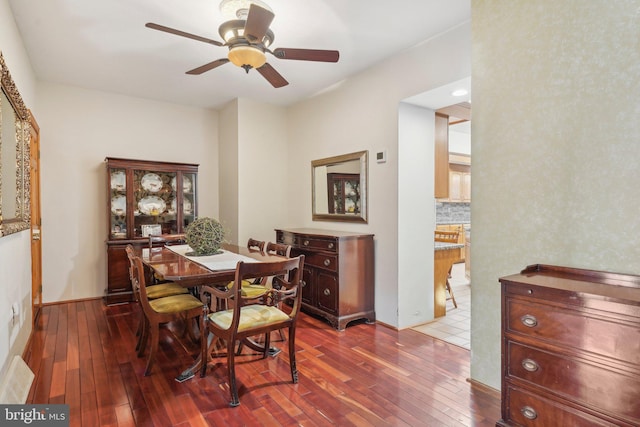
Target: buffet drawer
330,245
320,260
528,409
574,328
588,384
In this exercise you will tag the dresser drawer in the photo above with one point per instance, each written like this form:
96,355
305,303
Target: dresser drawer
573,328
574,379
527,409
322,244
315,259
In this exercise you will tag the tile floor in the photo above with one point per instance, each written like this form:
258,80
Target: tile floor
455,327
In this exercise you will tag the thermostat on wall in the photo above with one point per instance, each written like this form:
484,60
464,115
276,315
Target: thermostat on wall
381,156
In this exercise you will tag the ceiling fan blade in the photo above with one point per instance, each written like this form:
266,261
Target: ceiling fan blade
207,67
307,54
258,21
181,33
272,76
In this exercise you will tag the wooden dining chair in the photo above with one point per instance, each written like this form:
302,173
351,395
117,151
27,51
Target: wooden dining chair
255,245
165,289
448,237
278,249
247,318
159,311
252,288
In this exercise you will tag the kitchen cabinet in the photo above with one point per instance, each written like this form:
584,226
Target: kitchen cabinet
459,183
338,277
570,348
143,197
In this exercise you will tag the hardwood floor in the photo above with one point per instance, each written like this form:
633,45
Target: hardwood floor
82,354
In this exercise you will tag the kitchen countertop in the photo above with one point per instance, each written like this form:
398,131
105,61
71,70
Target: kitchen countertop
443,246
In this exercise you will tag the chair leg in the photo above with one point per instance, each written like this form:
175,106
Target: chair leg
155,338
292,354
207,340
267,344
233,388
144,336
141,326
452,298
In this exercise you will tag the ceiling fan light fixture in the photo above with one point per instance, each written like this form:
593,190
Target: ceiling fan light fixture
238,9
247,57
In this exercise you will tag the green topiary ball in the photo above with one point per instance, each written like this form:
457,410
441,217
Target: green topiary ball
204,236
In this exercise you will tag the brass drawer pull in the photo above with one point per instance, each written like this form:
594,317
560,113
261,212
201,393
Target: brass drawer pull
530,365
330,245
306,243
327,292
327,262
529,413
529,320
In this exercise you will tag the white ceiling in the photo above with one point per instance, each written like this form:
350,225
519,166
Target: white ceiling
104,45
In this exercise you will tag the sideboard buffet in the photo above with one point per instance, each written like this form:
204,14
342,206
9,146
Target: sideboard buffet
338,273
143,198
570,348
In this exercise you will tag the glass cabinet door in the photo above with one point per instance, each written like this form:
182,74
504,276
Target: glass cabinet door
154,203
189,202
118,194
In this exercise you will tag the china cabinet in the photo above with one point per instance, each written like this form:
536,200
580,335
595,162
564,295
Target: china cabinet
570,348
143,198
338,278
344,193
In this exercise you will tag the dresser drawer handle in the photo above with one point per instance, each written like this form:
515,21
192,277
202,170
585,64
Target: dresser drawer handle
529,320
330,246
327,262
529,413
306,243
303,283
327,292
530,365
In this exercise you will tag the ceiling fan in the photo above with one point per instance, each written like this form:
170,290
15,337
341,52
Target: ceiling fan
248,38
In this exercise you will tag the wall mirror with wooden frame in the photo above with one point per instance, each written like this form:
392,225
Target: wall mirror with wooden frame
14,157
339,188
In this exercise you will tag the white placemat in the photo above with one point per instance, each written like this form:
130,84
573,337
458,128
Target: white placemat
223,261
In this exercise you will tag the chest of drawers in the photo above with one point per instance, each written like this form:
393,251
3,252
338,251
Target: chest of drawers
570,348
338,273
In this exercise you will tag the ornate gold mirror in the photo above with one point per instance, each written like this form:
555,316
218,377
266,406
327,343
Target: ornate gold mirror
339,190
14,157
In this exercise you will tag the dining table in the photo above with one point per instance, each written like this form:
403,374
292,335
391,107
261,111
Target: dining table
176,263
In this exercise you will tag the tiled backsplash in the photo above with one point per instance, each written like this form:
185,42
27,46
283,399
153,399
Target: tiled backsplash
453,213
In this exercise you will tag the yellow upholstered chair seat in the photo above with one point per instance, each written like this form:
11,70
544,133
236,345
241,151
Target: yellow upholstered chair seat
175,304
165,290
250,289
251,316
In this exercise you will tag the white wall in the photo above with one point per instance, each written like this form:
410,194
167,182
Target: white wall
228,171
555,147
255,195
361,113
15,249
266,197
79,128
416,214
